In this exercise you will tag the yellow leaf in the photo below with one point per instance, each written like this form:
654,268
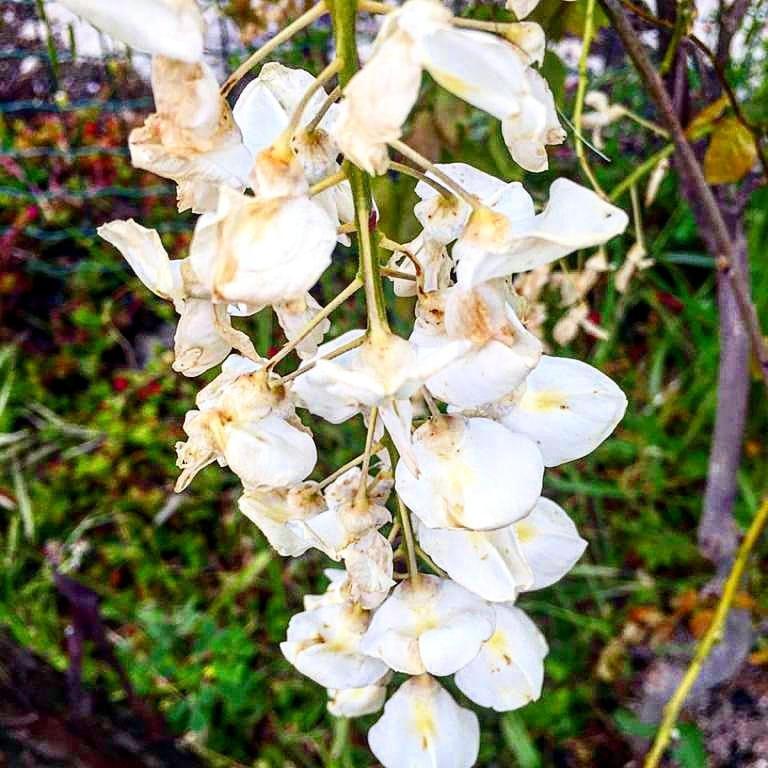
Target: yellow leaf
731,153
705,117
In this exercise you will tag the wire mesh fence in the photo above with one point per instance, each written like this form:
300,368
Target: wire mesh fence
69,97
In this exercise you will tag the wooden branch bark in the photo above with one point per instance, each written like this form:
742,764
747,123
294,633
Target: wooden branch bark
715,231
38,730
717,534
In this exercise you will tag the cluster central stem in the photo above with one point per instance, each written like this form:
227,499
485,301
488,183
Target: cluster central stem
344,15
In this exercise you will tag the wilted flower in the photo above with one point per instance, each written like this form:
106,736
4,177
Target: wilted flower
263,250
324,644
192,137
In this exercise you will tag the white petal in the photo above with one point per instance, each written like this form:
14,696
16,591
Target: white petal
356,702
478,67
443,218
172,28
269,452
268,250
397,417
369,567
289,85
323,644
310,389
476,182
522,8
260,116
376,104
142,249
294,315
471,475
508,673
435,626
423,727
528,133
198,344
549,542
489,563
568,408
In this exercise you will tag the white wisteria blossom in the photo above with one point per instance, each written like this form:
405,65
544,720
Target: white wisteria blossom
423,727
462,411
500,354
508,673
532,553
243,423
473,473
324,644
498,243
491,73
433,625
172,28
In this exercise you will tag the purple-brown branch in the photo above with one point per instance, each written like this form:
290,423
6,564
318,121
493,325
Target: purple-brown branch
739,323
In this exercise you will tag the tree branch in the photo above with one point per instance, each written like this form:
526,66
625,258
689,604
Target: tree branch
716,231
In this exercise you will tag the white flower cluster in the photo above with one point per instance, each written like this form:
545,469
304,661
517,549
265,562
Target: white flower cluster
462,417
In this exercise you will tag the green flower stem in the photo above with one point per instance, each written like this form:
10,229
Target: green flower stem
343,16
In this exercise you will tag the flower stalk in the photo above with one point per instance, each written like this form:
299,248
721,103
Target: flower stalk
343,16
327,310
310,17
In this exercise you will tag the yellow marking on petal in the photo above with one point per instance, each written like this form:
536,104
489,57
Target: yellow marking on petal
427,620
525,531
547,401
497,645
424,722
452,83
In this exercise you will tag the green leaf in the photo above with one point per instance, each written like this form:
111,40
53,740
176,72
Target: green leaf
519,741
690,751
628,723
